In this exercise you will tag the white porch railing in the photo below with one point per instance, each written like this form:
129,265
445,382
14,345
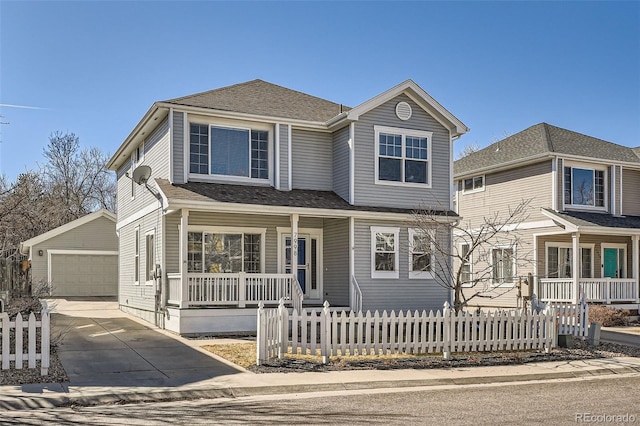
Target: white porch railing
356,295
601,290
239,289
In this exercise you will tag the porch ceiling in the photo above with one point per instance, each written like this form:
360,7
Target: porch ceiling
199,192
596,222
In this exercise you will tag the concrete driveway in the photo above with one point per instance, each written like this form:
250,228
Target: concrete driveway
102,346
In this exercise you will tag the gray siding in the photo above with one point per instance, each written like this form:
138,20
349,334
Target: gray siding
336,261
156,156
402,293
631,192
142,295
178,147
99,234
368,193
312,160
284,157
341,163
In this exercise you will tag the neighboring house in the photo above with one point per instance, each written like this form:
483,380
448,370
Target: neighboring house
258,192
582,233
79,258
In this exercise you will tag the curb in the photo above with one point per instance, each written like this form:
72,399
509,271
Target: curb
41,402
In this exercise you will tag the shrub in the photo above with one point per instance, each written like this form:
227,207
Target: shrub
608,317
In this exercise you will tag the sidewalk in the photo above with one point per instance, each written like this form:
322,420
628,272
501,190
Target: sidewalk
114,357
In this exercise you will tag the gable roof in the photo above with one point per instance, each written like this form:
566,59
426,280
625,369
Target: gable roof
25,245
595,221
542,140
258,97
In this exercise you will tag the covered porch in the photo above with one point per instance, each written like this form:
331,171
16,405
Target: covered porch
595,256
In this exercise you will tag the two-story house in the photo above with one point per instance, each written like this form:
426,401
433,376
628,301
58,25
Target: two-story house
582,230
255,192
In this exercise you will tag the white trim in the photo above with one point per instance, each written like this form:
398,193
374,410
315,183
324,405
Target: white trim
466,243
395,274
196,177
554,183
614,246
289,158
146,266
414,275
403,133
452,193
352,163
587,166
171,159
187,146
52,252
474,190
66,227
517,226
139,214
276,155
513,247
614,209
352,248
318,234
578,270
621,192
136,255
597,230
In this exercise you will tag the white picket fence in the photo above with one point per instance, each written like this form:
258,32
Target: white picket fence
349,333
570,318
16,349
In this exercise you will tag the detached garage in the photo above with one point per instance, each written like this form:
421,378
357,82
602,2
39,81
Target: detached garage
77,259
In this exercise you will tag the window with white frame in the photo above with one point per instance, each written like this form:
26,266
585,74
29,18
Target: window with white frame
473,184
466,277
228,151
136,257
421,253
402,156
384,252
137,156
503,265
584,187
560,260
221,252
150,258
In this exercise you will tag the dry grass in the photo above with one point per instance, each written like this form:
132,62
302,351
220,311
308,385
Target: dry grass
244,355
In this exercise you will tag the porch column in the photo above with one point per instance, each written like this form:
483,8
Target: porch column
635,263
575,268
184,246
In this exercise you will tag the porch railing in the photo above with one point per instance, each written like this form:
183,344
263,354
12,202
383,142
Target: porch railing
601,290
239,289
356,295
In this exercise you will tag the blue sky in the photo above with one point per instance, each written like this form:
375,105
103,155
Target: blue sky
94,68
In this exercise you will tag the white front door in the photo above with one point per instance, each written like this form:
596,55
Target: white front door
306,266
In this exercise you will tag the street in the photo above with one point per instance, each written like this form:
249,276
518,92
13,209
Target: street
552,402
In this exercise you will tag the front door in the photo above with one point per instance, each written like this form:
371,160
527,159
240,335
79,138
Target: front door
613,262
306,265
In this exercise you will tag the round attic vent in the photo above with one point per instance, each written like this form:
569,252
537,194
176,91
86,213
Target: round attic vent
403,111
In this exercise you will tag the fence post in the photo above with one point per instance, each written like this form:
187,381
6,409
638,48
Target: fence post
260,335
283,328
242,290
45,344
446,328
550,319
584,318
325,332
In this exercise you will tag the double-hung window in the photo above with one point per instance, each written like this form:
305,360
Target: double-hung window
504,266
136,257
420,253
225,252
473,184
560,260
403,156
384,252
150,259
227,151
466,277
584,187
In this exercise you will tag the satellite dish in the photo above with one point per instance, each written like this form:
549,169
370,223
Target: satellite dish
141,174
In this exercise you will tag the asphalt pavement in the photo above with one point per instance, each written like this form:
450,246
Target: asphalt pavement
112,357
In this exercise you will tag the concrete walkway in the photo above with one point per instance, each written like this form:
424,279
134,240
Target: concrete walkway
112,357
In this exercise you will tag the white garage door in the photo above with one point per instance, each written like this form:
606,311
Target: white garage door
84,275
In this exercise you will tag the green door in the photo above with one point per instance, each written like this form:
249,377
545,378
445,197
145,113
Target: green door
610,257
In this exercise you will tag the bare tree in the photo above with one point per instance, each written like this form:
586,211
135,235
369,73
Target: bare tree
467,150
484,253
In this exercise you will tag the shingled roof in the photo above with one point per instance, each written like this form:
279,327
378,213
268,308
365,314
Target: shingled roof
268,196
542,139
596,219
258,97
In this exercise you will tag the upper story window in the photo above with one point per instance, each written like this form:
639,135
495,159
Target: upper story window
473,184
584,187
226,151
403,156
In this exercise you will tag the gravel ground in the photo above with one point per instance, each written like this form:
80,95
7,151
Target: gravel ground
580,350
32,375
